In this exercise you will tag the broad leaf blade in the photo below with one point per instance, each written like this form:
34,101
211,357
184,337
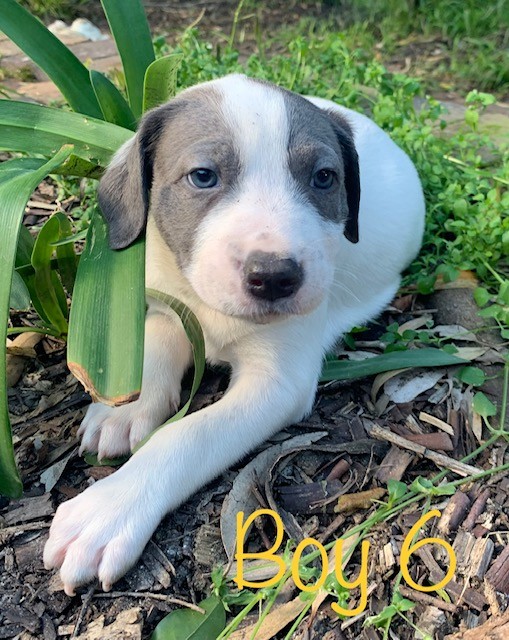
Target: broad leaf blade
20,296
186,624
129,26
33,128
349,370
51,55
48,287
25,240
18,166
76,166
113,106
195,336
106,325
14,195
160,83
66,255
24,257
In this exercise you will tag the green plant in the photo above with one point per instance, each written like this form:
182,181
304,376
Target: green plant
53,8
100,121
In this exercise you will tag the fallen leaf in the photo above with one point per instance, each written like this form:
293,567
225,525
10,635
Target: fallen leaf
465,280
455,331
126,626
408,385
351,502
52,475
278,618
241,496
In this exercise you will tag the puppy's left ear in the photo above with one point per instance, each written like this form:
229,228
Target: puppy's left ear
344,136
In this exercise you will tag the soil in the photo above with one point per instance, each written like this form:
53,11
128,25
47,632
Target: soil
352,455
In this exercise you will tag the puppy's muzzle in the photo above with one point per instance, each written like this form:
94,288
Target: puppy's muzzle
270,277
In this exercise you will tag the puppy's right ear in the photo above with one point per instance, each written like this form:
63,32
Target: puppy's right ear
124,190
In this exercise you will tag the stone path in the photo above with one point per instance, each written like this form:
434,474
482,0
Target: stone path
102,55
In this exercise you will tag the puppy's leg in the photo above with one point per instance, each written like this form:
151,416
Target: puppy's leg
113,431
104,530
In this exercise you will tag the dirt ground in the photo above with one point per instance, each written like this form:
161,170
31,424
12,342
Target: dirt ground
360,435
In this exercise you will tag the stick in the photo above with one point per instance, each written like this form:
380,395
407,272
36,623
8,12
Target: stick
439,459
154,596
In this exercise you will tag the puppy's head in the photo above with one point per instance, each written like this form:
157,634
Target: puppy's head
250,186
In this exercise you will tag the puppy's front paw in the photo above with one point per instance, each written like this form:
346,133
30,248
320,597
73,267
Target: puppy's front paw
100,533
115,431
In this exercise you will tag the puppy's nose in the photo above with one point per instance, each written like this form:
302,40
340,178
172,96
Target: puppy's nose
271,277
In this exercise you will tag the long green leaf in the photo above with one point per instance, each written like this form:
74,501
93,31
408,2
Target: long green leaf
37,129
48,287
25,240
20,296
349,370
24,257
195,335
113,106
160,83
186,624
106,325
76,166
14,195
129,26
51,55
66,255
17,167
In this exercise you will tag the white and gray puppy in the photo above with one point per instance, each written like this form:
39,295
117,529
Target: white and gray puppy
250,196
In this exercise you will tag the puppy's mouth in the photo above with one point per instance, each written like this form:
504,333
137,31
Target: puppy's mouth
262,312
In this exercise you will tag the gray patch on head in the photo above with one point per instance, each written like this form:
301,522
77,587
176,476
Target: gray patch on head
320,139
151,172
312,146
197,137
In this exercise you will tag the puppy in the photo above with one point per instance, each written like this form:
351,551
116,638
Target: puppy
282,222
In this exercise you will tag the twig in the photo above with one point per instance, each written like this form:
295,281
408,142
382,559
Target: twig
436,422
9,532
333,526
476,510
154,596
87,598
424,598
439,459
38,204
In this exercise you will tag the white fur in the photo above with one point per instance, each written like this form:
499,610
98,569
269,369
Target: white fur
275,366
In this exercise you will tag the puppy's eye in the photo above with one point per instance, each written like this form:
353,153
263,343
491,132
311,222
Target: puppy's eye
323,179
203,178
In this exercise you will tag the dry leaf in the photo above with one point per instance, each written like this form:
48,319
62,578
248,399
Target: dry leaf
407,386
277,619
465,280
17,351
241,497
126,626
351,502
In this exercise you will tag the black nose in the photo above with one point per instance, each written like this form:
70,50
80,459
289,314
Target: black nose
271,277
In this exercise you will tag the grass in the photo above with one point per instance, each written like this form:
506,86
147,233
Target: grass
464,173
453,45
